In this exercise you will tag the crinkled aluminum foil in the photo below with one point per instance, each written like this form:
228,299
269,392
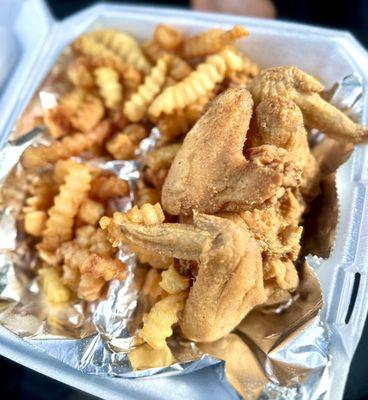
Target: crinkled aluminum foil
273,353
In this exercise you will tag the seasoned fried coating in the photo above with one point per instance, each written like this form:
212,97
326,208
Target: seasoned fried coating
276,228
293,84
211,174
280,123
229,281
282,271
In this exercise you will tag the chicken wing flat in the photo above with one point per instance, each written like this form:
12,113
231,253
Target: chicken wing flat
280,123
229,282
210,173
293,84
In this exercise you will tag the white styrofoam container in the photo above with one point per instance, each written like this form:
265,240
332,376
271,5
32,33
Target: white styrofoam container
328,54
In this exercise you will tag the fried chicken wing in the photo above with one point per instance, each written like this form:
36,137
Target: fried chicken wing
229,282
293,84
280,123
211,174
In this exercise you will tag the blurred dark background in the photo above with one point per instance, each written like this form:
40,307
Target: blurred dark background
20,383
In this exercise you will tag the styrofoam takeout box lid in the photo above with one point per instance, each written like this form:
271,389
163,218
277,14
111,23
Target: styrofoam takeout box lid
328,54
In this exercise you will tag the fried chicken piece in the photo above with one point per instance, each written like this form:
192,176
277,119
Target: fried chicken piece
211,174
275,228
282,271
293,84
229,282
280,123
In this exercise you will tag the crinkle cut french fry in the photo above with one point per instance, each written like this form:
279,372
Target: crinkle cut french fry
124,45
198,83
178,69
90,211
167,37
211,41
95,240
69,146
59,225
172,282
162,157
158,322
136,107
90,287
57,121
35,222
105,186
107,81
53,287
144,357
80,74
87,262
123,145
41,194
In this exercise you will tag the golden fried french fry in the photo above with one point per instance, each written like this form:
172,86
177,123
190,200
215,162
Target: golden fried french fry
107,81
123,145
167,37
172,282
151,284
90,287
90,211
105,186
136,107
158,322
69,146
95,240
124,45
70,277
54,289
211,41
41,194
57,121
178,68
80,75
87,262
162,157
198,83
61,169
59,226
144,357
35,222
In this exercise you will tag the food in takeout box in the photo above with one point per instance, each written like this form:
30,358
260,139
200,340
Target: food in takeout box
221,199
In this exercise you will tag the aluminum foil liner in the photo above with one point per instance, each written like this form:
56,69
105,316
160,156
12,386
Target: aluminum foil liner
278,352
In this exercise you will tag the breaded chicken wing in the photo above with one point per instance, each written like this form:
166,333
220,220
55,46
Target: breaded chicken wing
229,282
210,173
293,84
